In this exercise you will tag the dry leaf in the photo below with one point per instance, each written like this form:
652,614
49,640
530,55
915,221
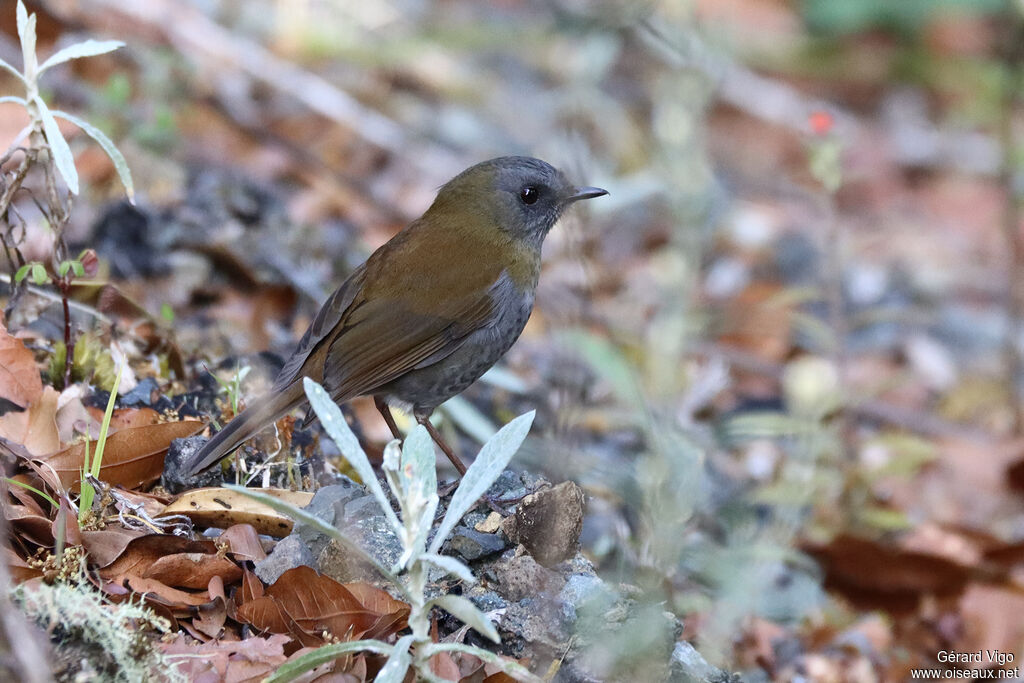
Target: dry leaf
222,508
20,381
35,428
132,457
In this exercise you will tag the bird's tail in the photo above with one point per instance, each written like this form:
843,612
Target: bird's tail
259,414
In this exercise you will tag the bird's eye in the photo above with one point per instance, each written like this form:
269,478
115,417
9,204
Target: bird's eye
529,195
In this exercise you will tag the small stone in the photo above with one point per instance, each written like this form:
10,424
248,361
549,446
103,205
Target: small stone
472,544
486,600
289,553
521,577
328,505
179,452
688,666
491,524
141,395
548,523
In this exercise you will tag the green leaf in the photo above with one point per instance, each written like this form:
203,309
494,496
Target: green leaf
300,515
39,275
450,565
87,48
334,424
120,163
398,662
33,489
468,613
22,272
101,440
62,156
322,655
63,268
167,312
489,464
78,268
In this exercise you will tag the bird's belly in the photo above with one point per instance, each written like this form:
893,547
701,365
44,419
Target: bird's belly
428,387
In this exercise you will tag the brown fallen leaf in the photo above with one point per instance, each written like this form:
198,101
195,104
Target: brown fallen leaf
126,418
212,617
35,428
222,508
132,457
244,542
106,545
142,553
158,591
20,381
251,659
193,570
886,575
19,569
306,604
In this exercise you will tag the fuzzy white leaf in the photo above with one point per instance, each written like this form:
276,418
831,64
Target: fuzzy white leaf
418,455
468,613
27,36
336,427
398,662
62,156
108,146
15,99
450,565
489,464
87,48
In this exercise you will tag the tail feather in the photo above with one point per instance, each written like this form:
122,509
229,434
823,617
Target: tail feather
247,424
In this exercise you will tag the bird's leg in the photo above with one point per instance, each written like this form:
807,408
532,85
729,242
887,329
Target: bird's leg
436,436
385,411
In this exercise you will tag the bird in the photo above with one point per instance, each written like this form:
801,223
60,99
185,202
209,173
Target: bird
428,312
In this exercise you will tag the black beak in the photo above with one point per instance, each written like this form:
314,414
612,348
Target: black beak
579,193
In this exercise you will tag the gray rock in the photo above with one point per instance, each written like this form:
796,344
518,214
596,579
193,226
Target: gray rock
364,523
174,480
485,600
688,666
472,544
521,577
328,504
142,394
291,552
585,592
533,628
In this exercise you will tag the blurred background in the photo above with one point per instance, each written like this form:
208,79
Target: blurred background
783,357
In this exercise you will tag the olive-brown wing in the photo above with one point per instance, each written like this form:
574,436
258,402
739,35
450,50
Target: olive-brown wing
381,340
330,315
